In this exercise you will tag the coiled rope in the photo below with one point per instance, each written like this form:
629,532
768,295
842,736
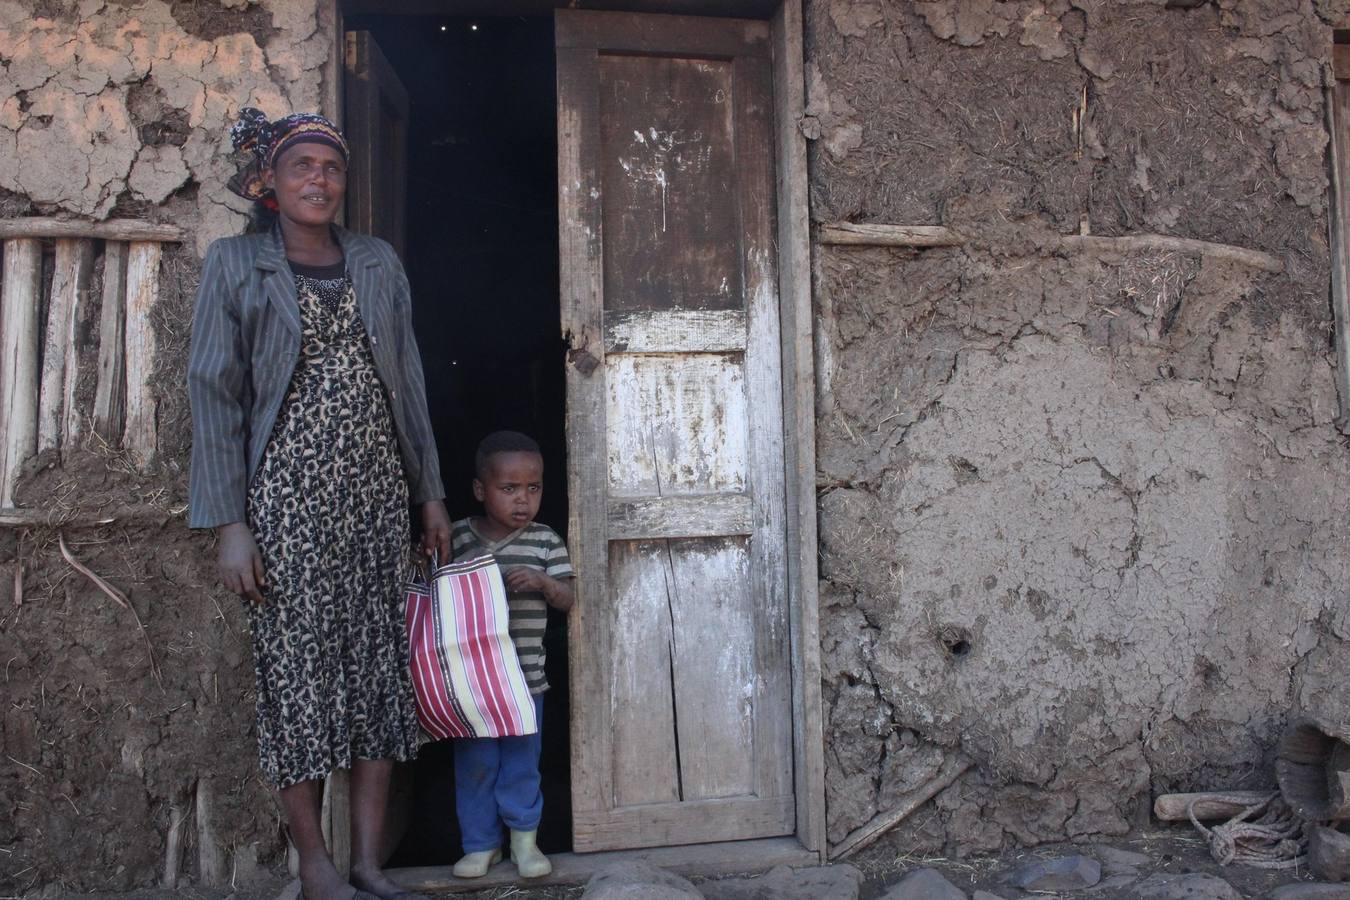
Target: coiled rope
1273,841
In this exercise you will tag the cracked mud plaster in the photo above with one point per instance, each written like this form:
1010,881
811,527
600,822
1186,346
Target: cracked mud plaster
1061,536
1052,101
70,143
1082,513
115,755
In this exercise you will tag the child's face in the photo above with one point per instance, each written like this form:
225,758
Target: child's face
511,489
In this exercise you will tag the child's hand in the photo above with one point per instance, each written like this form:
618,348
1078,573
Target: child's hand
520,578
557,592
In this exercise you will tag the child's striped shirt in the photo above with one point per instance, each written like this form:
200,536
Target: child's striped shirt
536,547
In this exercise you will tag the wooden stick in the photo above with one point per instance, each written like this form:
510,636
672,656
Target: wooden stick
11,517
1154,243
54,350
60,355
18,572
83,265
952,768
117,597
866,234
111,230
210,859
142,289
173,845
1208,804
1338,126
110,395
19,333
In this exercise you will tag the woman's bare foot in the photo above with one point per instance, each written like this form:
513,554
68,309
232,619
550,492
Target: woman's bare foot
379,884
322,882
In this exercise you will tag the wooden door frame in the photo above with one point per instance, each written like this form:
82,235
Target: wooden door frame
796,324
798,366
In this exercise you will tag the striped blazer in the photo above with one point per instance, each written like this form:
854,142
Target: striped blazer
245,345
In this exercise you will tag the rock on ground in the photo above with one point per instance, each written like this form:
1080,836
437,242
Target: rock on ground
639,881
1311,891
924,884
1116,861
1114,882
1185,887
1329,853
838,882
1063,873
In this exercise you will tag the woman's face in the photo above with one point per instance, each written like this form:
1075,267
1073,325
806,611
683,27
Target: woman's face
310,180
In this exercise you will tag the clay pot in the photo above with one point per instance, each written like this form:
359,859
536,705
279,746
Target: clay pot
1312,765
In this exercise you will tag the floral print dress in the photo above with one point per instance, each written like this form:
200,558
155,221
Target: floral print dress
329,510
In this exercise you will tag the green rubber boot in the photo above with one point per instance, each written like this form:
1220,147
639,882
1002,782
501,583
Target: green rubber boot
476,865
530,863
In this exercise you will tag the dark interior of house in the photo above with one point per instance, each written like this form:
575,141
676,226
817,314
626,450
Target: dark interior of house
482,260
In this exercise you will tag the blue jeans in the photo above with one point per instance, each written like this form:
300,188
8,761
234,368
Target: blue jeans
496,781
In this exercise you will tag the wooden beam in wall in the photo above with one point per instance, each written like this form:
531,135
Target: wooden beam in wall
111,390
866,234
919,236
19,332
111,230
58,420
143,258
1338,124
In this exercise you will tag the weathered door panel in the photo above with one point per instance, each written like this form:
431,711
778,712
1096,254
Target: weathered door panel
679,645
377,130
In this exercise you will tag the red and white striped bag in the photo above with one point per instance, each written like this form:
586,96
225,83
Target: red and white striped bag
465,672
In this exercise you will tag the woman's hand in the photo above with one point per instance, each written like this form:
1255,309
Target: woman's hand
436,531
241,565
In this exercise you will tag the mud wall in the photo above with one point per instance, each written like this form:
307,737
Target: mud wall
1082,510
123,109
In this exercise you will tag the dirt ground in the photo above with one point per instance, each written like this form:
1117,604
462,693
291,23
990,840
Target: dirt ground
1172,850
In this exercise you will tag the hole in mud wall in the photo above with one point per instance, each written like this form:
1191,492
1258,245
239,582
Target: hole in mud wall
955,641
482,259
209,21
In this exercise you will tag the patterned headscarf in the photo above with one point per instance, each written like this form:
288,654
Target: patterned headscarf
264,141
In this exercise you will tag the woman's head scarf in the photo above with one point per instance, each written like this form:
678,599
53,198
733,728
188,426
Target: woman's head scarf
265,141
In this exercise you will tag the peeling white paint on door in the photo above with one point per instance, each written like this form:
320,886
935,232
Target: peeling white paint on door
678,424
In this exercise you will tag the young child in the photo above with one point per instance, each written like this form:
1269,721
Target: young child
497,779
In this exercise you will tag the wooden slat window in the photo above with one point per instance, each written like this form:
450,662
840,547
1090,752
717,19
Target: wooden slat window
75,312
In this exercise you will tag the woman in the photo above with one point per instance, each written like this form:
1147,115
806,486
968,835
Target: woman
310,436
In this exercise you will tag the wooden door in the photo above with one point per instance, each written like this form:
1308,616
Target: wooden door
681,678
377,131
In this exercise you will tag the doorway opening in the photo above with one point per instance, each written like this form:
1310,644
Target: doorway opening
481,253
